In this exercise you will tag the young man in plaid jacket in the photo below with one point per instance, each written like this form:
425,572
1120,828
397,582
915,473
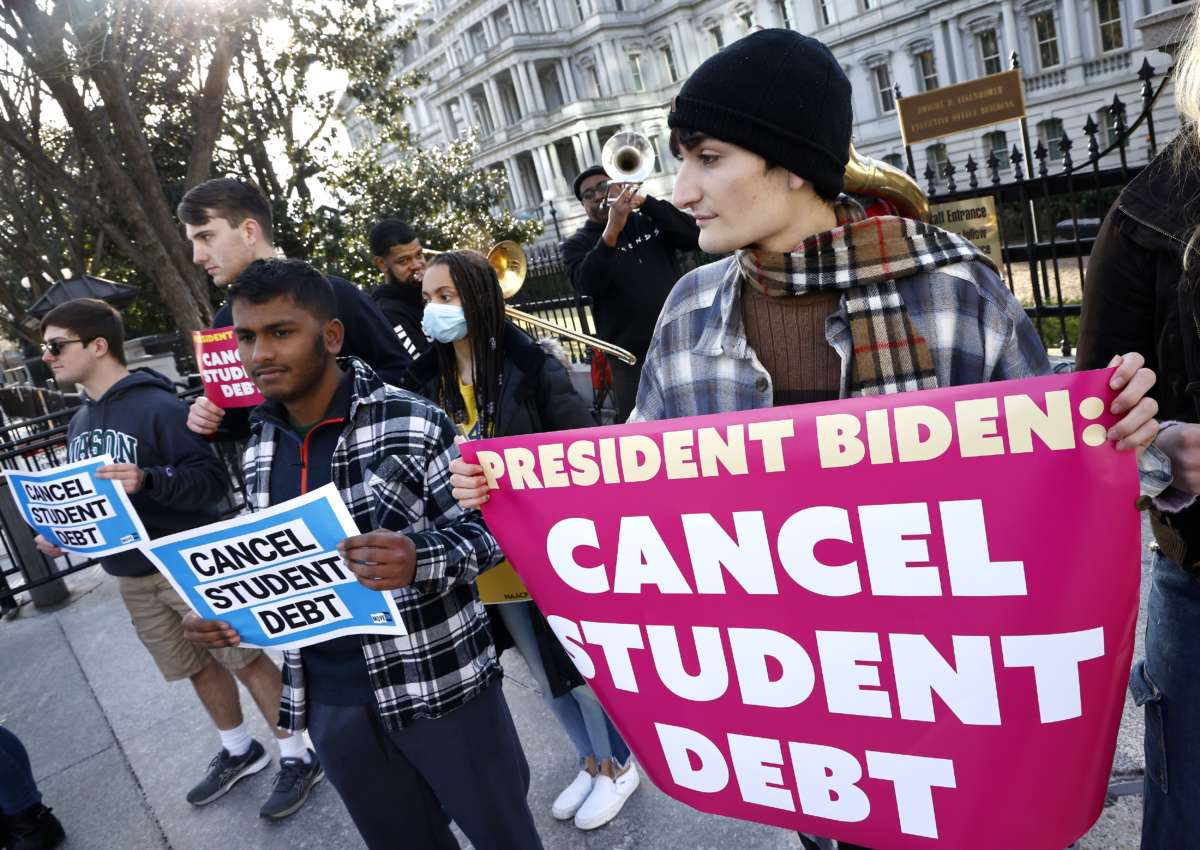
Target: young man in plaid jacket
411,730
817,302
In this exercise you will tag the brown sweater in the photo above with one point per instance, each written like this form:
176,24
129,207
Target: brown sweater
788,335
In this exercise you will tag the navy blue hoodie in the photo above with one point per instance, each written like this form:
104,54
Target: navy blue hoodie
140,420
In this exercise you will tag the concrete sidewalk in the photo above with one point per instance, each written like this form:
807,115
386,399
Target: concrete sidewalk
115,749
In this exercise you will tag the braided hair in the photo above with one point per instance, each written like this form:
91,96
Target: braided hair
483,307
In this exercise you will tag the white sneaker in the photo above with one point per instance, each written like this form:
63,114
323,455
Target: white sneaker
607,798
568,802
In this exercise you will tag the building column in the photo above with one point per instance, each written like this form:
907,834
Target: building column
560,179
535,81
954,68
524,93
492,92
581,152
465,110
514,183
1011,41
447,125
807,19
516,10
570,92
489,28
689,52
552,17
528,88
904,69
541,164
1070,32
603,54
590,139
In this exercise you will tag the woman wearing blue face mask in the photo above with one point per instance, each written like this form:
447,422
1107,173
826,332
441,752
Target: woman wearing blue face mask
495,381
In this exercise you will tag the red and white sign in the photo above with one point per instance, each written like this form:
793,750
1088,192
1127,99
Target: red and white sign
226,383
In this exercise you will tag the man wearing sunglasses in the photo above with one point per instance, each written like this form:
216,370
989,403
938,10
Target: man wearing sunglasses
624,259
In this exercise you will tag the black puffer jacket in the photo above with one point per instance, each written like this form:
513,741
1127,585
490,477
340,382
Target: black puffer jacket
1138,298
403,305
536,396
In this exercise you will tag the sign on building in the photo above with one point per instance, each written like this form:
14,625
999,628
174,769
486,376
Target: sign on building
966,106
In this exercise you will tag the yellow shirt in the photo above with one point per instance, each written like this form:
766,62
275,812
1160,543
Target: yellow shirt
500,583
470,428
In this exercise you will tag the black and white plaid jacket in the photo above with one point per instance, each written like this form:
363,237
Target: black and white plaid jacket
391,465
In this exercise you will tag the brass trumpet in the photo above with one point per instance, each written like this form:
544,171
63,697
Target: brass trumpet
508,260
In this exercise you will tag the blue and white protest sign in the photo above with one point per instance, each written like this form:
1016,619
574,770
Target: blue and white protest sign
275,576
77,511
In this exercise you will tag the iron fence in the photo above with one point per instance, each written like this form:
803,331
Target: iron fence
39,442
1050,209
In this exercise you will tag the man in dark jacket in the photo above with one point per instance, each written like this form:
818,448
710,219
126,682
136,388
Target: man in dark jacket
399,257
229,224
175,482
624,259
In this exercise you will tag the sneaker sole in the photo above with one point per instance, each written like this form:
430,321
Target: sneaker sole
609,816
250,769
564,814
291,810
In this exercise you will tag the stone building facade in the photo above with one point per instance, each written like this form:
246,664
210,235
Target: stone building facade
546,82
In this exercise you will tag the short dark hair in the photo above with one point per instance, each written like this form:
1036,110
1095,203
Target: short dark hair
687,139
388,233
228,198
89,319
265,280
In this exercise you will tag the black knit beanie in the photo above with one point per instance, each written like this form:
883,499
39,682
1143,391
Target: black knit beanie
778,94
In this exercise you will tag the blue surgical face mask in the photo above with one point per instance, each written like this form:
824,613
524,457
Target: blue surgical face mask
444,322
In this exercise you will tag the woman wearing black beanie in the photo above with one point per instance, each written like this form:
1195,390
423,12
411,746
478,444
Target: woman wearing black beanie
817,303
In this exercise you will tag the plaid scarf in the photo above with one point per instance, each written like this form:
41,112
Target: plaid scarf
865,258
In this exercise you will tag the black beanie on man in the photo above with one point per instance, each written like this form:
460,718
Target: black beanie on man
778,94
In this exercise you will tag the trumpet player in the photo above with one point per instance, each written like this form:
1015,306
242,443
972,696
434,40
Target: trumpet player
624,259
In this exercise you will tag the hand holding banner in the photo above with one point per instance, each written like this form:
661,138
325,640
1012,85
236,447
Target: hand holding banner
881,619
226,383
77,511
275,575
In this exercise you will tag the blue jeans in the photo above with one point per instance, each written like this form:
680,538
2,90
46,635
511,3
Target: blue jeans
18,791
578,711
1166,684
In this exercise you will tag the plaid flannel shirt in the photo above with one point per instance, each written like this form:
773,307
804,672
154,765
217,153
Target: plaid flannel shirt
700,361
391,465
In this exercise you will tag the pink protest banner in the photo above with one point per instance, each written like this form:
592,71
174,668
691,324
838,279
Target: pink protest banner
226,383
902,621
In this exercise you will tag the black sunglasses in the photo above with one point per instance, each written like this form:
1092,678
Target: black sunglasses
588,194
55,346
